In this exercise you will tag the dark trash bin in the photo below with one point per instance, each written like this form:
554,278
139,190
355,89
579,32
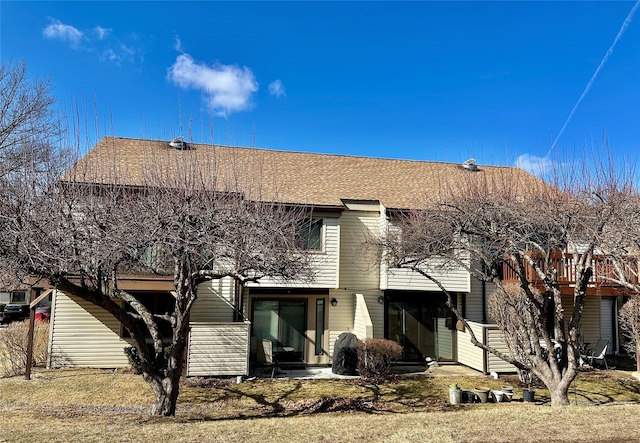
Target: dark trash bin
345,356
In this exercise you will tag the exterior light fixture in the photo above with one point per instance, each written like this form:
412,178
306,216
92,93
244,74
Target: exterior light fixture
334,301
381,299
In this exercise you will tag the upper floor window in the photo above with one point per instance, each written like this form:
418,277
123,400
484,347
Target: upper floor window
309,234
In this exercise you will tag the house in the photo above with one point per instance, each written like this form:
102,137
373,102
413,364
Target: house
352,198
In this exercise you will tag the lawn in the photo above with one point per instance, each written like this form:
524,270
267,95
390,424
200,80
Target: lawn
94,405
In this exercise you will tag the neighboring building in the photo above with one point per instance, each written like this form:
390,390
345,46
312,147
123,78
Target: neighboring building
352,197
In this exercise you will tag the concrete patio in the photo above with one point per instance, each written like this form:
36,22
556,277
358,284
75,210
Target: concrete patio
325,372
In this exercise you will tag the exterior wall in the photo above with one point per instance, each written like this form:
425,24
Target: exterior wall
218,349
359,273
85,335
363,327
477,358
454,279
5,298
494,339
469,354
475,309
597,319
325,263
215,301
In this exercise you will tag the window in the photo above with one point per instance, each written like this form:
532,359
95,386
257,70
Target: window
319,325
18,297
309,234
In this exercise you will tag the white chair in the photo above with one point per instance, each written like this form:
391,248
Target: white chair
598,353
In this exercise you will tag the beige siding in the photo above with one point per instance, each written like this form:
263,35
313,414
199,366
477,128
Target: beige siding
85,335
477,358
474,300
360,272
590,325
363,327
453,278
607,322
468,354
217,349
215,301
340,316
325,264
495,340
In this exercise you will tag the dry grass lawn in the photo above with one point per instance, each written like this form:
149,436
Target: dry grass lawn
97,406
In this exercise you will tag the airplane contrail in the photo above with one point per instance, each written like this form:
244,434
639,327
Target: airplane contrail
595,74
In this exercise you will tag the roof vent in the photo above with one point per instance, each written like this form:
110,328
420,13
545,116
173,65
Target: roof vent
470,165
178,143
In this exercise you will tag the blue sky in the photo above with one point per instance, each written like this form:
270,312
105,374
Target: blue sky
440,81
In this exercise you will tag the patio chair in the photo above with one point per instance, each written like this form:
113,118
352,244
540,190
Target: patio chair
598,353
264,356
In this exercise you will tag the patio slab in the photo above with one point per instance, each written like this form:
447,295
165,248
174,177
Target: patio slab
442,370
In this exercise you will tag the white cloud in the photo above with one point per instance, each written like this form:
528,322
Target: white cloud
539,166
177,44
58,30
101,32
277,88
229,87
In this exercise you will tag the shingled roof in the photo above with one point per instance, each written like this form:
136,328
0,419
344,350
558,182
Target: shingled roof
285,176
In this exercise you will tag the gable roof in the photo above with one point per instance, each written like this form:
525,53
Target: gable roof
285,176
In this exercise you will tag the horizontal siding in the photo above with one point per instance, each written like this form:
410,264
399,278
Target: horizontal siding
359,271
217,349
215,301
474,300
84,335
495,340
325,264
341,316
468,354
363,327
453,278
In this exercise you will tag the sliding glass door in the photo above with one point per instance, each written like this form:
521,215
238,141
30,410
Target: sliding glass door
282,322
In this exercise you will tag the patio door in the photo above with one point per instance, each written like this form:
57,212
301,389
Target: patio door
282,322
422,324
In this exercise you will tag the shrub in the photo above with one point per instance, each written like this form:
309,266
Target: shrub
375,356
13,347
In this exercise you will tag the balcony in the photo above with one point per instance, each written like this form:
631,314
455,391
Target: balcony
599,284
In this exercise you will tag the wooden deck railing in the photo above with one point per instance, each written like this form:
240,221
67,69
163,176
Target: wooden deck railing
603,271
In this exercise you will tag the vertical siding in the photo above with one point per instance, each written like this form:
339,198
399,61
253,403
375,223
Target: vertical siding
217,349
215,301
84,335
325,264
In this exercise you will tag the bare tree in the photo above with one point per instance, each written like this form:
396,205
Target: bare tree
28,124
510,228
622,247
84,232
